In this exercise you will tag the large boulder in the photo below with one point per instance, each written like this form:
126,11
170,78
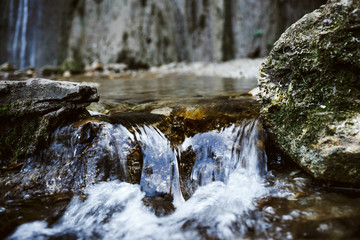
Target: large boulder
310,92
30,109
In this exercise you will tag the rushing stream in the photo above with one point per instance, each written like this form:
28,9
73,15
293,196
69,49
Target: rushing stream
227,178
196,172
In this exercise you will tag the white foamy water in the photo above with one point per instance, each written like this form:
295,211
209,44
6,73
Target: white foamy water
231,163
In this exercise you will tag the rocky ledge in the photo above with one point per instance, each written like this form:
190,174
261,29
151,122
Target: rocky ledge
310,92
30,109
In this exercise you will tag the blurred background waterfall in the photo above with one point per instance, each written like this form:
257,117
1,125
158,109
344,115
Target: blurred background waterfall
39,33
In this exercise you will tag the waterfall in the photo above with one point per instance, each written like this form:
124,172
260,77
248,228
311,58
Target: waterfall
221,153
17,30
23,34
160,173
21,39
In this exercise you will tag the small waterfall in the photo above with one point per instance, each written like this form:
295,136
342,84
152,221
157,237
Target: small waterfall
227,162
219,153
160,173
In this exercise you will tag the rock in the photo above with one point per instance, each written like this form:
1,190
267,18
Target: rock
117,67
131,60
48,71
97,66
310,92
72,66
66,74
30,109
30,72
7,67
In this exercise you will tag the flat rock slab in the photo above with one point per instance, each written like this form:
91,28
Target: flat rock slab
30,109
38,95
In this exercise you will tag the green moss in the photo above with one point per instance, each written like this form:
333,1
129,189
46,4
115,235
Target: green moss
17,134
3,110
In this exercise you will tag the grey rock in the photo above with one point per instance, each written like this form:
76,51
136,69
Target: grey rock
41,95
310,92
30,109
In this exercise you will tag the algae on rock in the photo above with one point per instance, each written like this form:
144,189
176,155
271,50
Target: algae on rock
310,92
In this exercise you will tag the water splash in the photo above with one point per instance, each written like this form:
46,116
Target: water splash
219,208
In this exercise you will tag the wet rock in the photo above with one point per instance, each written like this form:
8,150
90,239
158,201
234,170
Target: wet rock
7,67
161,205
310,92
30,109
24,210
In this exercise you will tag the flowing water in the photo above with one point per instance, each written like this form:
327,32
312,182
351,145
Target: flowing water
226,180
183,175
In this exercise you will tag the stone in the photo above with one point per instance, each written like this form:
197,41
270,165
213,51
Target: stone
97,66
30,109
67,74
310,91
48,71
72,66
7,67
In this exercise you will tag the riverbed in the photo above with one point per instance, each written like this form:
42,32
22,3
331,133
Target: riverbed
171,154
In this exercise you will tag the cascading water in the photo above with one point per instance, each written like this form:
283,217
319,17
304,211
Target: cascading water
160,173
227,162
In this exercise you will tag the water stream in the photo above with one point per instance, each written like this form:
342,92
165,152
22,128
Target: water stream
227,162
165,164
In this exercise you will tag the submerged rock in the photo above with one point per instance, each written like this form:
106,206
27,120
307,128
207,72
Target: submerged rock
310,92
30,109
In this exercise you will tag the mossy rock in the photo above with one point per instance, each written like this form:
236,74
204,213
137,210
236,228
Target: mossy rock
310,91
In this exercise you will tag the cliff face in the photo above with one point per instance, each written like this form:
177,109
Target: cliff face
37,33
